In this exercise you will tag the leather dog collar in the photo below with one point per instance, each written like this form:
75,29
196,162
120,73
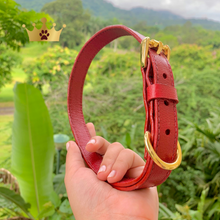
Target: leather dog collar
160,101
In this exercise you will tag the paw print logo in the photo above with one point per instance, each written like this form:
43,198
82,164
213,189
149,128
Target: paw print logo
44,35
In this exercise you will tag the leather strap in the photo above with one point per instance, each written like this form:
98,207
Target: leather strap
161,115
161,91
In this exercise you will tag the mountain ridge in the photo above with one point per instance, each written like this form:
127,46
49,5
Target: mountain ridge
106,10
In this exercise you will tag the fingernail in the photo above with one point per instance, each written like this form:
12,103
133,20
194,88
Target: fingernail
112,173
92,141
102,169
67,146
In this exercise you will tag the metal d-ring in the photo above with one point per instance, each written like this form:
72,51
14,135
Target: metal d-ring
157,160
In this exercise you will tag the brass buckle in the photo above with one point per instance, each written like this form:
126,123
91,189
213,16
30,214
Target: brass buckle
157,160
146,43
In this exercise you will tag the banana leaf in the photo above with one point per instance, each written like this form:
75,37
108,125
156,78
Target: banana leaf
32,147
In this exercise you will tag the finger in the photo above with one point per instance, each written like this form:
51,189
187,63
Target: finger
97,144
74,159
134,172
109,159
126,160
91,129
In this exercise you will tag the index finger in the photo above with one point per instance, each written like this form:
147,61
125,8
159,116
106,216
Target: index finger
91,129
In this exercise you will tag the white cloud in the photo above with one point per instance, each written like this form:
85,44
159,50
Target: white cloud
186,8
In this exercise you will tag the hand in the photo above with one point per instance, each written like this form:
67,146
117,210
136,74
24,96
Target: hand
93,199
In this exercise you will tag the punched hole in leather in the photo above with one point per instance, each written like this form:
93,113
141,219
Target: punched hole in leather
158,89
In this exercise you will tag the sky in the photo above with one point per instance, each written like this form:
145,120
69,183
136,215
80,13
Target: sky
209,9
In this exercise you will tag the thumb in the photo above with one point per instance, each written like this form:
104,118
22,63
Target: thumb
74,159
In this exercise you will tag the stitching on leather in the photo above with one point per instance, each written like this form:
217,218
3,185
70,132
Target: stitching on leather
158,137
153,166
158,106
176,130
175,114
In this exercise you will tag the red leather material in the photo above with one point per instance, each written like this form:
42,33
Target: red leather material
161,119
161,91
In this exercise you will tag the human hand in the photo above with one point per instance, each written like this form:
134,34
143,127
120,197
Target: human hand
93,199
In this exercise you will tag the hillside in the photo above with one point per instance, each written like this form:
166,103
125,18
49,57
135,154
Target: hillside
105,10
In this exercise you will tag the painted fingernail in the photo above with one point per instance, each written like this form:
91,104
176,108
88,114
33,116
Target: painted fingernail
67,146
92,141
112,173
102,169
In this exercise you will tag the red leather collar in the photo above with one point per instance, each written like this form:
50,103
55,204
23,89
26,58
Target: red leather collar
160,101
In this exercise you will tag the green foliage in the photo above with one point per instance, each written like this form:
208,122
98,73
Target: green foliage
8,60
189,34
16,199
11,21
198,184
58,181
180,186
52,72
113,97
54,75
196,96
32,147
165,213
12,35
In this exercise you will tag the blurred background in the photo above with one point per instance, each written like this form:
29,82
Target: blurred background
112,99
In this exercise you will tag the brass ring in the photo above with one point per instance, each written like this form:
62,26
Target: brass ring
157,160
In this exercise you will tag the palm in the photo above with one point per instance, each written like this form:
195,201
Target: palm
91,198
102,197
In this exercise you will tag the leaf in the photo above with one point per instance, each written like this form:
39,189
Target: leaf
16,199
104,132
166,212
65,207
201,203
32,146
215,209
128,140
48,210
208,133
58,182
54,198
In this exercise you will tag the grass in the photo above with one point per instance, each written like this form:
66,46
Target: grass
33,50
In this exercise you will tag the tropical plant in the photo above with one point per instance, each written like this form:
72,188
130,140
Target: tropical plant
32,147
32,161
199,171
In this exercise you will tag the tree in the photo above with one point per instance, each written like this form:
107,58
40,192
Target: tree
71,13
12,35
